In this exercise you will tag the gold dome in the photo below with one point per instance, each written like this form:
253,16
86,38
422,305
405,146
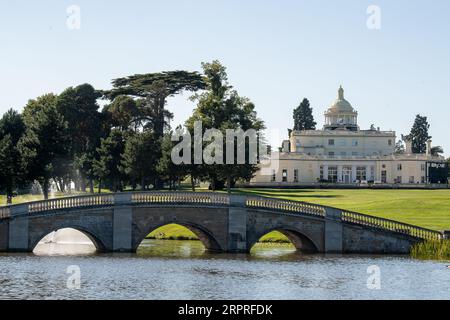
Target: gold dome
341,105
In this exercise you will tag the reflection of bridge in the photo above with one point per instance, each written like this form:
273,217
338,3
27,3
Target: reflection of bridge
230,223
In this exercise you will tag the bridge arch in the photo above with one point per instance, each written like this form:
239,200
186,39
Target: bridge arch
298,238
203,234
99,245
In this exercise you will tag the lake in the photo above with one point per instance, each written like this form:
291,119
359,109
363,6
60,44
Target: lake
182,270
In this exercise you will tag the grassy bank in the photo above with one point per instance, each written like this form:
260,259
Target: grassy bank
435,250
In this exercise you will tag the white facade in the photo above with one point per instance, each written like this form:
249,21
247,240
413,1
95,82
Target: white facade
341,153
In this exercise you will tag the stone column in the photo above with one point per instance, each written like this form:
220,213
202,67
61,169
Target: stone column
18,233
369,173
333,231
339,173
237,224
325,172
122,223
353,173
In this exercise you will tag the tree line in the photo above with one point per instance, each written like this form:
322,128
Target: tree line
68,138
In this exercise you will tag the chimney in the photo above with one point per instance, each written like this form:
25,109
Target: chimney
408,144
286,146
428,147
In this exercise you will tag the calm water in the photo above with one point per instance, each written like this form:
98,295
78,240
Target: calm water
181,270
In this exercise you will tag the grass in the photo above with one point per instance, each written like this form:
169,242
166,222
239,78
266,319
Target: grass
435,250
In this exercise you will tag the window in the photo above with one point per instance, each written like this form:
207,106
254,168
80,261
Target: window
331,154
389,142
399,167
321,173
383,166
399,179
422,167
354,143
383,176
332,174
331,142
411,179
295,175
422,179
360,173
284,176
273,178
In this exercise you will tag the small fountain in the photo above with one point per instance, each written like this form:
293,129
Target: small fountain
36,188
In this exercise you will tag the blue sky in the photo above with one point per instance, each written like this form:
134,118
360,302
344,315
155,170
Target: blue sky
276,52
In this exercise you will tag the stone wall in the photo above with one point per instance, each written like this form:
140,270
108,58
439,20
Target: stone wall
357,239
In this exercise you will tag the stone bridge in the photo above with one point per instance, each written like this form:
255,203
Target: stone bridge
224,223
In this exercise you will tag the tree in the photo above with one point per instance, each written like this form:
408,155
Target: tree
166,169
303,117
139,158
108,165
79,107
437,151
221,108
151,91
419,134
12,175
155,88
399,147
123,113
45,139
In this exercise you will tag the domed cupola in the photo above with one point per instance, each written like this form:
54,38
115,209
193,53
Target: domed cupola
341,115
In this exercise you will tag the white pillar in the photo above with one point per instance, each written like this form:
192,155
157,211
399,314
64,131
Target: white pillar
339,173
353,173
325,172
368,173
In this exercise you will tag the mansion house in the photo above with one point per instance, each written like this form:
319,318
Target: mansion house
342,153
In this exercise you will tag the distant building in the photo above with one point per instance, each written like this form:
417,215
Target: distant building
342,153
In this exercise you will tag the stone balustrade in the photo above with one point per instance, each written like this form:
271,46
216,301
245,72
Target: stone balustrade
208,199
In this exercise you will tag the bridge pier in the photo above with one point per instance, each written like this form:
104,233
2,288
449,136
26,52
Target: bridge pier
18,233
122,223
333,231
237,224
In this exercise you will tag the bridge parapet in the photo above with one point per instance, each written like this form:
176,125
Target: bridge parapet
200,198
286,205
71,202
390,225
5,212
